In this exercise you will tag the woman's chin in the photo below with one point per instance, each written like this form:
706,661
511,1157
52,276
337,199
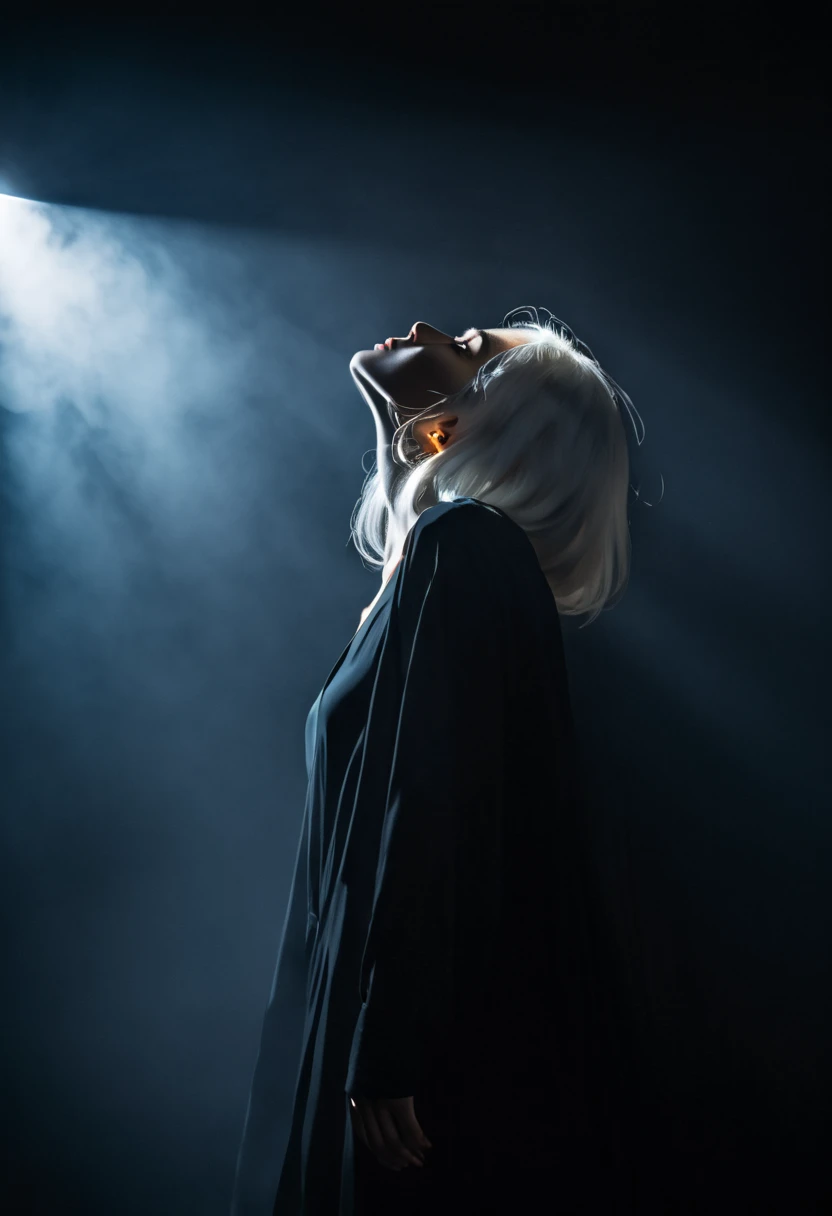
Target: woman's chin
365,358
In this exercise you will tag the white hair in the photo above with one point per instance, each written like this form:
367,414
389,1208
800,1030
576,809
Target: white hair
540,435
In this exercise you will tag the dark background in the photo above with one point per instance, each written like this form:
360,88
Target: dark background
177,579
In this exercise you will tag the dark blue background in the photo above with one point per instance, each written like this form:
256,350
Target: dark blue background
169,612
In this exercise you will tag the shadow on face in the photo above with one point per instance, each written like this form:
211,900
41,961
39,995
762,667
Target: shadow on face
413,373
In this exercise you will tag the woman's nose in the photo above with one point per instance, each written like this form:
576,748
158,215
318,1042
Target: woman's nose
422,333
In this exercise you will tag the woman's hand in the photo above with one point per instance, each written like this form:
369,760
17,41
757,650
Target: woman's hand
390,1130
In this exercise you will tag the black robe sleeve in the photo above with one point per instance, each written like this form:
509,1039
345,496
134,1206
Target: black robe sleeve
450,630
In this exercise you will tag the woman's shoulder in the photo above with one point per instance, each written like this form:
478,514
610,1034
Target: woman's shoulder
463,520
474,538
475,550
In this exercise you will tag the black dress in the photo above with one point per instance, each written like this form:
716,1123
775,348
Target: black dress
436,942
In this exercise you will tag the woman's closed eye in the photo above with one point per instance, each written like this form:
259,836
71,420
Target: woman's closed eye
464,343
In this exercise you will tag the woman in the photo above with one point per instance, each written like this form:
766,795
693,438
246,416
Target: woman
434,1040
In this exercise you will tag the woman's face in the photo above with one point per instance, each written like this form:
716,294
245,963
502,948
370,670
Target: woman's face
415,372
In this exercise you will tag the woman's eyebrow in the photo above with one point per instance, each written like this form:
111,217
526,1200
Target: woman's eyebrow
487,344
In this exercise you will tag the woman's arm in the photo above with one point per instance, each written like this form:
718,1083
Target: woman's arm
446,642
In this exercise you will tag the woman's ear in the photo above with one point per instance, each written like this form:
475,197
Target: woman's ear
438,435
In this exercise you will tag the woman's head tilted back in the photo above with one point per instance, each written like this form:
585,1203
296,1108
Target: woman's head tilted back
522,417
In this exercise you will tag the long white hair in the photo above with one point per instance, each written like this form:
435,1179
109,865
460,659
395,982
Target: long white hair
540,435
